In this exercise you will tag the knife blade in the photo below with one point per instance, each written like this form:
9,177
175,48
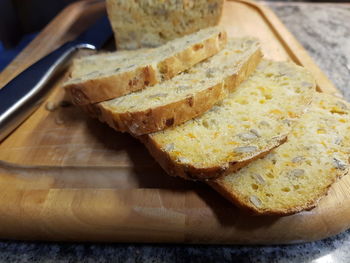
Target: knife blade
24,94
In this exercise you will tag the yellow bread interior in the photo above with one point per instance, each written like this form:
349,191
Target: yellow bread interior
252,119
295,175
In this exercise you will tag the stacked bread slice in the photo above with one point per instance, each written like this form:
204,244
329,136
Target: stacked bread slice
255,130
104,77
185,96
247,124
294,176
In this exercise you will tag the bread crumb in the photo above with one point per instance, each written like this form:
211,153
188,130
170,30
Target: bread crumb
50,106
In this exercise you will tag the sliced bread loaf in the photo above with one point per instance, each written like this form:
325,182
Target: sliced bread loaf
186,95
294,176
150,23
106,77
251,121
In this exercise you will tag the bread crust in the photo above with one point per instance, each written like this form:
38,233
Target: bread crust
172,114
119,84
103,88
171,66
190,172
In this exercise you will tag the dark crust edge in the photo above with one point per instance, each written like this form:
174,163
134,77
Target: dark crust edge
190,172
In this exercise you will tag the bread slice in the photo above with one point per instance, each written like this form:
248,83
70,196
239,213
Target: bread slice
152,23
254,119
294,176
114,76
105,61
185,96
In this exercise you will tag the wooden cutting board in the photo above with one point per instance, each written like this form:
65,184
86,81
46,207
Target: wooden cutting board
66,177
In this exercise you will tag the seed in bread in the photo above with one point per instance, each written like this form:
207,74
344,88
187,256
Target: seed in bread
106,77
185,96
294,176
251,121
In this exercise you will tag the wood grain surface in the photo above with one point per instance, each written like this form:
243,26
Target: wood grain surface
66,177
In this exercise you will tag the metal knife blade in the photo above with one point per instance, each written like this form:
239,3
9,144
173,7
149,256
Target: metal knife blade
97,34
23,95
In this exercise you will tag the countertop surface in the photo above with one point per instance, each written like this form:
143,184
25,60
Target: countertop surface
324,30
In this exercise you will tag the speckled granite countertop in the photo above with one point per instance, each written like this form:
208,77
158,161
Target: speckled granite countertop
324,30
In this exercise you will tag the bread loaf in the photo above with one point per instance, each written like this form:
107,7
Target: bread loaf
294,176
105,77
151,23
251,121
185,96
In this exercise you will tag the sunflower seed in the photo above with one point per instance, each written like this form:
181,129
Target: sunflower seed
339,164
247,136
264,123
287,121
210,72
92,73
255,201
76,80
205,123
169,147
306,84
298,159
215,109
134,128
255,132
338,140
296,172
182,88
249,42
259,178
342,105
119,101
245,149
158,95
183,160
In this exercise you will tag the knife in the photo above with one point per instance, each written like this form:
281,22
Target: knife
24,94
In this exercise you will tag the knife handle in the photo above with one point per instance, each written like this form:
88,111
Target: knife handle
22,95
